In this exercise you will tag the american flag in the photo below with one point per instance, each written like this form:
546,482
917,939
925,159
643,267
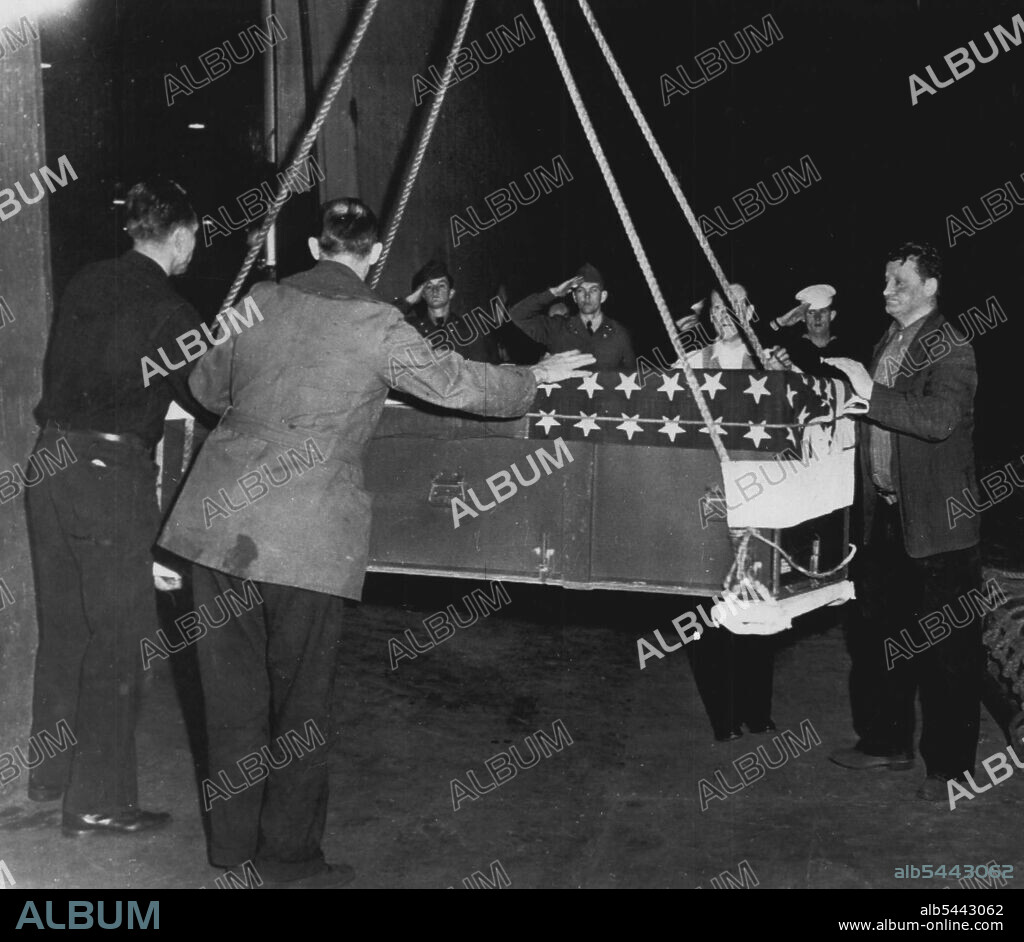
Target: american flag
753,410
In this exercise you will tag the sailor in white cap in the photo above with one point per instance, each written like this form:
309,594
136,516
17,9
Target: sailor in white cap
816,311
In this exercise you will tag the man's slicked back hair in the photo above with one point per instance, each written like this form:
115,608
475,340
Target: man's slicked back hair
349,227
155,208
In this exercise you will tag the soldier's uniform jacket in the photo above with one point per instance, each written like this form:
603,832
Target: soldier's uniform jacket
276,492
610,343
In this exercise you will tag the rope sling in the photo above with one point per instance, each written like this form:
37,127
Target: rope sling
627,223
421,148
304,150
739,304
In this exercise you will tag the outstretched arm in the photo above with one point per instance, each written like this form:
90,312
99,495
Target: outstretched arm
444,378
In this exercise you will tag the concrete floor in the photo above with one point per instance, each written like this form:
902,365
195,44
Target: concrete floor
617,808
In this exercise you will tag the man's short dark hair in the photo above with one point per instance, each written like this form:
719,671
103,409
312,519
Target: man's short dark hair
349,227
926,259
433,269
155,208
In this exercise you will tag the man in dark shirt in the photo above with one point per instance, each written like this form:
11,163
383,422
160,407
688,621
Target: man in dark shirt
590,331
92,524
429,310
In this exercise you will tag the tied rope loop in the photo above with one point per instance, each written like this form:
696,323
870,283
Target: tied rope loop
421,148
738,304
627,223
822,574
304,149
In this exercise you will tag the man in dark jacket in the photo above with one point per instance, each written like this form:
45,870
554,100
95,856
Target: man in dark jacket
274,511
920,567
92,525
589,331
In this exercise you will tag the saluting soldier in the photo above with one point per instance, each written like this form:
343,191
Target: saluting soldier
590,330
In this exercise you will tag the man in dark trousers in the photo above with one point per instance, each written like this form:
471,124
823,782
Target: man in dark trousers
590,331
916,453
429,309
92,525
275,505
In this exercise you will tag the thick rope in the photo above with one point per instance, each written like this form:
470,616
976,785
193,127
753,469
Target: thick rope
627,223
421,148
820,574
304,149
738,304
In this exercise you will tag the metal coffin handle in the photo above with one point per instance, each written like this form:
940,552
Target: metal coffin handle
445,486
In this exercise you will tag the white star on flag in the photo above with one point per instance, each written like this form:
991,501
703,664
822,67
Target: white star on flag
629,425
628,384
757,434
670,386
719,431
590,385
671,428
712,384
547,420
790,394
817,386
802,417
547,387
757,388
587,423
790,435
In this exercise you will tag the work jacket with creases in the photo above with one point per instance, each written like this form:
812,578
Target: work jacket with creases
276,492
930,410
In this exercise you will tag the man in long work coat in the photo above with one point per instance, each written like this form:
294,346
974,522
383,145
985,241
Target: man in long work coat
921,562
275,516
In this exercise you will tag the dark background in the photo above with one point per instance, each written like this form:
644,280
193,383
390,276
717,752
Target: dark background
835,88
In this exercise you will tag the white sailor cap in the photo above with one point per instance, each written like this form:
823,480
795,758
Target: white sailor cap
816,297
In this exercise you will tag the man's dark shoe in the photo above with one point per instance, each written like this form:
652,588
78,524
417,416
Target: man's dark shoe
936,787
335,875
126,822
854,758
763,727
44,792
728,735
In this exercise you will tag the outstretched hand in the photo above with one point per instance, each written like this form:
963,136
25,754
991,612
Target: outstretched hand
860,378
558,366
793,316
414,298
560,291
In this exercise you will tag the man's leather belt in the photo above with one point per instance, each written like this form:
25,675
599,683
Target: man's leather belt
125,438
